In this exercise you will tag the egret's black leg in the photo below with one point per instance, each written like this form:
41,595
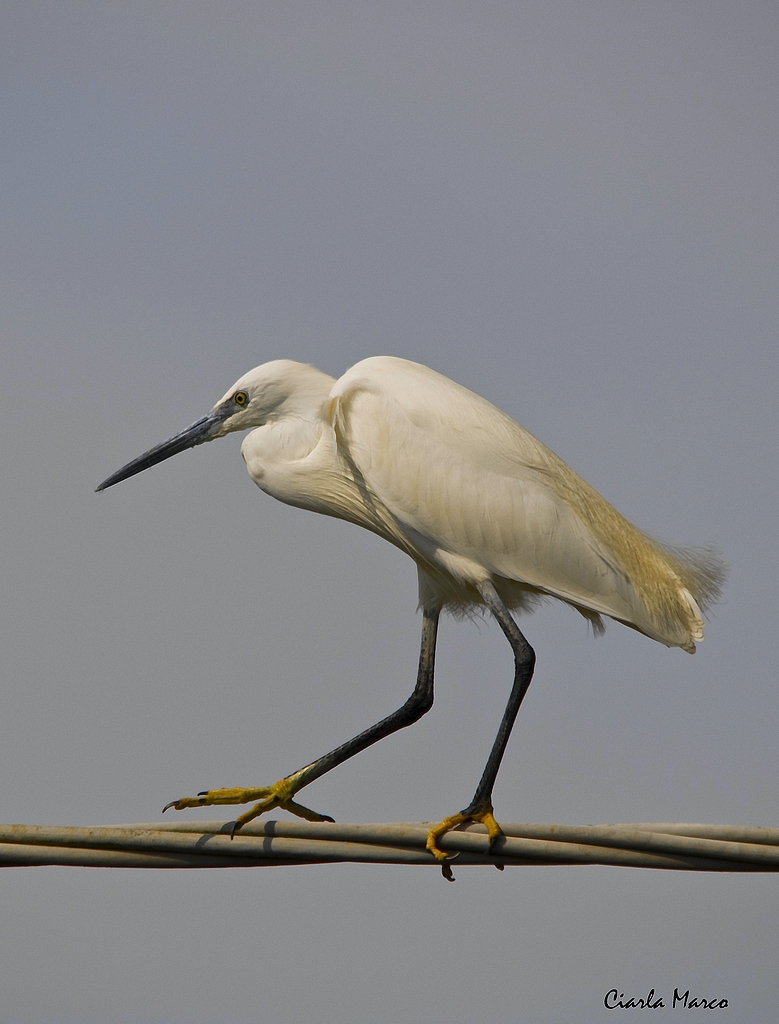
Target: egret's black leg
480,808
418,704
524,663
280,793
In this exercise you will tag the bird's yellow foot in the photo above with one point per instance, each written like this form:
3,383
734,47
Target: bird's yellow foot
278,795
484,816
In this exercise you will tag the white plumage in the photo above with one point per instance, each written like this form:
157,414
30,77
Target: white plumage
466,491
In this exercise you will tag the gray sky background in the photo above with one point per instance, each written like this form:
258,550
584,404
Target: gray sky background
569,208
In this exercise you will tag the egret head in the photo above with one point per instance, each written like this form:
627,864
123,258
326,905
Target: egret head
277,388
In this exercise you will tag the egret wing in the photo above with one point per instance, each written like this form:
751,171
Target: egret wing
471,490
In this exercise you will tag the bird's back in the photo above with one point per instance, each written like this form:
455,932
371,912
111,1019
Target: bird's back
474,495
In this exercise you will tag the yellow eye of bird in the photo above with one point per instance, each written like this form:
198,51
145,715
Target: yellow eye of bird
240,398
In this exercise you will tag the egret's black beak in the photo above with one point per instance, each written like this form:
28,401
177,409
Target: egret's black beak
200,431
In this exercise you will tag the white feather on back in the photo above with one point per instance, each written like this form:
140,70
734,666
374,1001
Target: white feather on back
475,496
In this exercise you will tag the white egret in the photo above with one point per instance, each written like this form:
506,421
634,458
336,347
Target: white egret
490,516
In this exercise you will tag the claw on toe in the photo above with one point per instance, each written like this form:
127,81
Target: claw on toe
484,817
278,795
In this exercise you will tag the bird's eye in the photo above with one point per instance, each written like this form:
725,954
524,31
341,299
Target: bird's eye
240,398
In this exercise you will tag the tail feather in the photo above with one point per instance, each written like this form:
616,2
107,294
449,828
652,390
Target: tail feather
702,572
